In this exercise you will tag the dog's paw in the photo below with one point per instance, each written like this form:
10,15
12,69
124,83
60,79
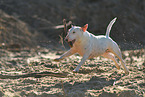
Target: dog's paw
127,72
57,60
118,67
75,71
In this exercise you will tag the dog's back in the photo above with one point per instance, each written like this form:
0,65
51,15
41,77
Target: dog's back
99,44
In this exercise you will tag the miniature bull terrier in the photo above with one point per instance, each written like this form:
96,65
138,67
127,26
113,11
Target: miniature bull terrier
89,46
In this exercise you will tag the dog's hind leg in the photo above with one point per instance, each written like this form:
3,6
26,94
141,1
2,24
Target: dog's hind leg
116,51
112,57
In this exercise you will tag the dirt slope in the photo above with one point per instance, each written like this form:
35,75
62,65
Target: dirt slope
15,31
40,15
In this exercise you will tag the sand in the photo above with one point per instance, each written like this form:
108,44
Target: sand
33,73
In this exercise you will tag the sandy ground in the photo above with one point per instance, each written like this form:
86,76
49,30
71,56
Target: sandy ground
33,73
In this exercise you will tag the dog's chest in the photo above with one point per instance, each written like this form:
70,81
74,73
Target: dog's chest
82,49
93,50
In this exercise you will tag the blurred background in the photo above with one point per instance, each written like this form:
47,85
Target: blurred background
31,23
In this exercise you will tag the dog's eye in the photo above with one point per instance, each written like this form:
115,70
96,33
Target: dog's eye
74,32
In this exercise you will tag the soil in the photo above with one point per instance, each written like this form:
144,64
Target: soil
30,40
33,73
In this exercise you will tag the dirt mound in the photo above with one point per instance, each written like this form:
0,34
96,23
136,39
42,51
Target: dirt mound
16,32
128,30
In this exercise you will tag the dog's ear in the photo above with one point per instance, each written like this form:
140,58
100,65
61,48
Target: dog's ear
85,27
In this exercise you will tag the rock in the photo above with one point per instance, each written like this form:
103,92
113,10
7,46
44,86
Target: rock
1,93
128,94
31,81
105,94
31,94
46,95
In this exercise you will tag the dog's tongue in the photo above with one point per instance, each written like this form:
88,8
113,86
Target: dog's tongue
71,43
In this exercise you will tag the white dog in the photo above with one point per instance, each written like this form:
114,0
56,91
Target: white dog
89,46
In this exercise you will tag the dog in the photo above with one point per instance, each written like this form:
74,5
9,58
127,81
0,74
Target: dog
89,46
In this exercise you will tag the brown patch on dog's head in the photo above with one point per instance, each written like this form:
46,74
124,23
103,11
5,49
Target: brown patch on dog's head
85,27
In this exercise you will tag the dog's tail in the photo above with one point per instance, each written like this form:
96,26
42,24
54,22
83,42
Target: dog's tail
110,26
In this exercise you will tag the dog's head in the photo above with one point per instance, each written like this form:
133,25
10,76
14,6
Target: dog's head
75,33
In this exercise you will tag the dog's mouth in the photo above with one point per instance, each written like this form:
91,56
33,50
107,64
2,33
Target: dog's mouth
71,43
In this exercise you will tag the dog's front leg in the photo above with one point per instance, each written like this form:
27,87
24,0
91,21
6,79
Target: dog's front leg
85,57
66,54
